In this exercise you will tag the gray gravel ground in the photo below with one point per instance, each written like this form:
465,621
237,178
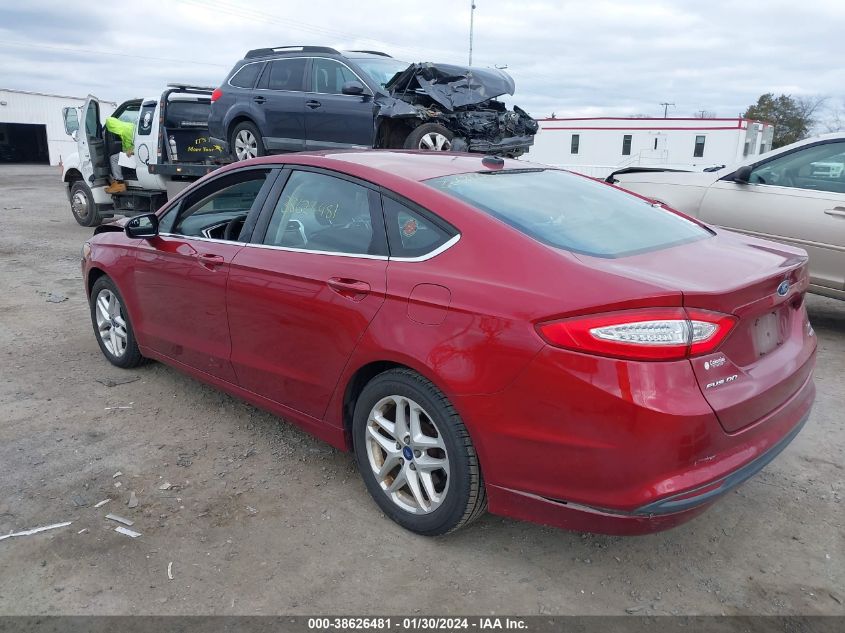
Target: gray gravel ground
263,519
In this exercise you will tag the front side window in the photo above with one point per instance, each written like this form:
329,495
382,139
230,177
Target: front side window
571,212
318,212
698,152
412,233
819,168
287,74
328,76
217,211
626,145
246,76
575,144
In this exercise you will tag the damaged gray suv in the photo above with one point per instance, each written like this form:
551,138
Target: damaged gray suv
295,98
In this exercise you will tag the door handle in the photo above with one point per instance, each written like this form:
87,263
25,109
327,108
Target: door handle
259,100
838,211
211,261
313,104
349,288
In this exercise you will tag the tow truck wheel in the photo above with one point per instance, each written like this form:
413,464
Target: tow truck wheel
82,205
431,137
246,141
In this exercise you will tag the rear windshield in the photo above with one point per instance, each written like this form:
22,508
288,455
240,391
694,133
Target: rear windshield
187,114
571,212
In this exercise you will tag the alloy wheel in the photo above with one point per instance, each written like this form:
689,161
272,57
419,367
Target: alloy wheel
246,145
79,204
434,141
111,324
407,455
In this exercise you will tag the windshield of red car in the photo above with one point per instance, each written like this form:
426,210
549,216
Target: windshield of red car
571,212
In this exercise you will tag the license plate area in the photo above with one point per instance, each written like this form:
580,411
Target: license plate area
768,331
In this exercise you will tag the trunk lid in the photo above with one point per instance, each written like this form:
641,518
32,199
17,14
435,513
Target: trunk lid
768,355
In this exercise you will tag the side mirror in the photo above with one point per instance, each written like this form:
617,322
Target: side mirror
352,88
743,174
142,226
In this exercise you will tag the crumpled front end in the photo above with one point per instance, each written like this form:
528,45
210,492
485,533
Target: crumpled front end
463,100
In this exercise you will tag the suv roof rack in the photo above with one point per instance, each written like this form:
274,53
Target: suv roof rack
279,50
373,53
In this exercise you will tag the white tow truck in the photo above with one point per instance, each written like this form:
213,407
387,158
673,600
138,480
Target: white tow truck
171,149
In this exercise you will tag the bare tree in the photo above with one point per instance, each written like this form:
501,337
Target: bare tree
704,114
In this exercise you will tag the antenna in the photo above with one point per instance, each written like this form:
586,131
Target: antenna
666,105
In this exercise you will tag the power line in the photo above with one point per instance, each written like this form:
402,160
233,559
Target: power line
88,51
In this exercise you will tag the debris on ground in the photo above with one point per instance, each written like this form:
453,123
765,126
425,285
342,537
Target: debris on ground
117,474
117,484
114,382
165,486
56,297
126,406
120,519
35,530
251,510
127,531
133,500
170,570
78,501
631,610
82,531
100,504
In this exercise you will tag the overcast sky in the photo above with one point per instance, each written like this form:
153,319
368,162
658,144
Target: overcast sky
595,57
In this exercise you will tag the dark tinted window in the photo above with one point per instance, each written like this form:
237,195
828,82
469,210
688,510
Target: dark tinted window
246,76
287,74
187,114
322,213
410,233
572,212
626,145
575,144
145,121
698,152
208,211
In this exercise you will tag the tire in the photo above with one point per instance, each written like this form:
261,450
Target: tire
82,205
246,137
431,137
106,317
452,497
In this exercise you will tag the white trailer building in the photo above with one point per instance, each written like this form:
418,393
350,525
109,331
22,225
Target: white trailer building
597,146
32,129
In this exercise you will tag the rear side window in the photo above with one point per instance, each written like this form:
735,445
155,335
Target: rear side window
411,233
572,212
246,76
287,74
318,212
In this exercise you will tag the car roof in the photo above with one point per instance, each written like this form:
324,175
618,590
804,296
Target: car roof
415,165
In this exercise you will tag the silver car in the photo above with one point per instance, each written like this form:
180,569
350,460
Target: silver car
794,194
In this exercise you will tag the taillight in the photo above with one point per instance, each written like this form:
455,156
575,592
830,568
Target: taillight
216,94
644,334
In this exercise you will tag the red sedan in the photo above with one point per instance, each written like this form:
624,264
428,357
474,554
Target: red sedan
478,331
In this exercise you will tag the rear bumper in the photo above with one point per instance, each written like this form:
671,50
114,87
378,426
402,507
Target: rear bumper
616,447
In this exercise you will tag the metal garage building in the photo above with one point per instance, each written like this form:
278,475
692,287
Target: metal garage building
31,126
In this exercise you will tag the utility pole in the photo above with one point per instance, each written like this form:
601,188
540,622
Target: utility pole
471,24
666,105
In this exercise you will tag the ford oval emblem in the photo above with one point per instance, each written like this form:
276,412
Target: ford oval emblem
783,288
